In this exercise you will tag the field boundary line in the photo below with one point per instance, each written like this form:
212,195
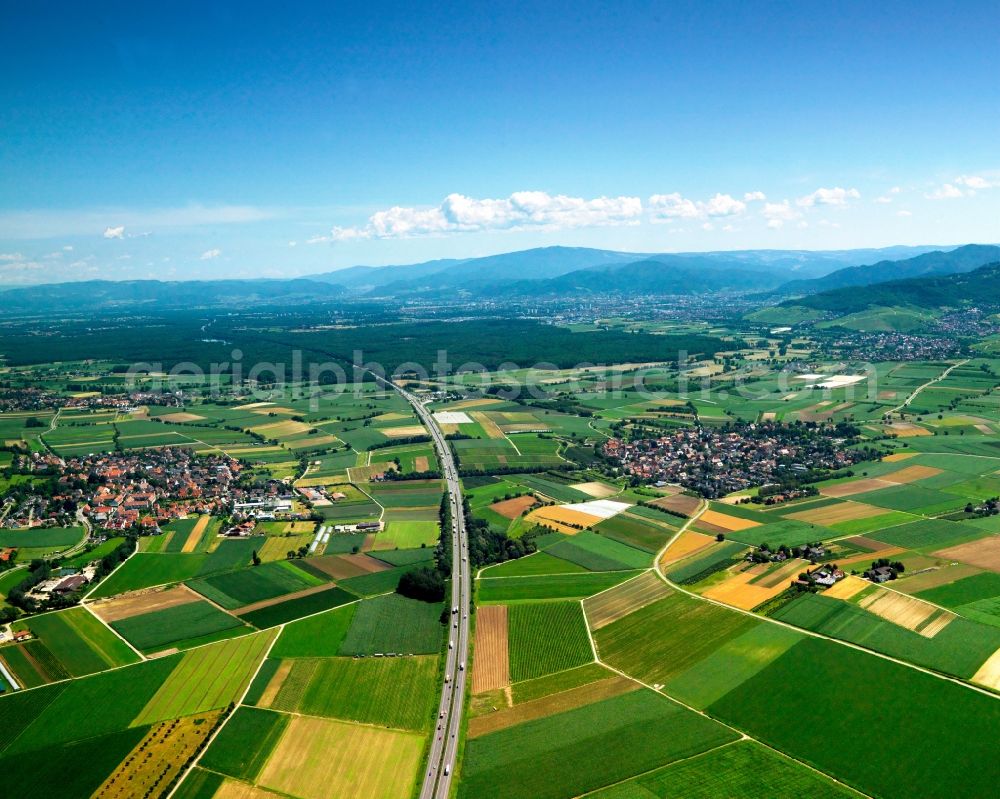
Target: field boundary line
743,735
667,765
590,637
567,574
236,706
103,623
677,587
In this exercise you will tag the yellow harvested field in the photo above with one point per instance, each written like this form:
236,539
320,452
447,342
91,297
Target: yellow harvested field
907,430
552,704
738,592
484,402
277,547
250,406
989,673
841,512
727,522
403,431
911,474
231,789
491,666
616,603
274,684
319,758
901,609
180,416
300,527
687,543
392,416
853,487
196,533
491,428
596,490
937,624
566,516
159,757
274,409
899,456
934,578
285,429
846,588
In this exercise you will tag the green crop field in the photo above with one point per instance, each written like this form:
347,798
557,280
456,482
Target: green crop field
408,535
537,564
206,678
53,538
597,553
587,748
665,638
638,533
743,770
297,608
318,636
237,588
959,726
555,586
393,623
546,637
191,622
121,694
394,692
959,649
927,534
81,643
242,747
82,765
560,681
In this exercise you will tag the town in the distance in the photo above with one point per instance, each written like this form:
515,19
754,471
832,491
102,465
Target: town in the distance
649,539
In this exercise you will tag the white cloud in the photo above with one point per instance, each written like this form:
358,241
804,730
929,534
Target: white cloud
754,196
835,196
947,191
11,256
904,213
777,214
975,182
666,207
114,232
208,255
523,209
321,239
293,244
68,248
885,199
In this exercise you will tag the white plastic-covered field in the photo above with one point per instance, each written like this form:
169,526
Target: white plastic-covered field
452,417
602,508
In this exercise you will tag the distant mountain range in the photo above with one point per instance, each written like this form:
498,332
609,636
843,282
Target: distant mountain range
939,262
541,272
930,293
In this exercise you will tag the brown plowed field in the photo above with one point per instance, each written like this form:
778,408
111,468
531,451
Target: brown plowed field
491,665
340,567
512,508
266,603
616,603
984,553
679,503
125,607
842,512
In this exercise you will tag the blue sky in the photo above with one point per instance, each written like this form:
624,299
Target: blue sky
223,139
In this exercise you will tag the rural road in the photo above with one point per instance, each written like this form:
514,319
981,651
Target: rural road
918,389
444,745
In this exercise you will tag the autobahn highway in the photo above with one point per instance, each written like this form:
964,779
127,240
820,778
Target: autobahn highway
444,746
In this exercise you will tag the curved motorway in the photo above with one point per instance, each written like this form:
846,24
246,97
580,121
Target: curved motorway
444,746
